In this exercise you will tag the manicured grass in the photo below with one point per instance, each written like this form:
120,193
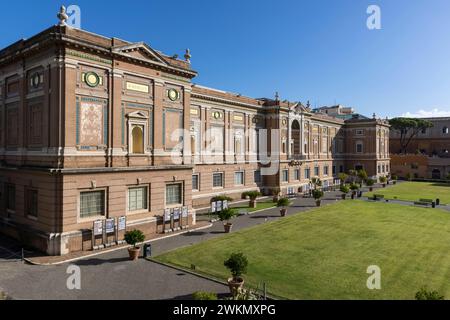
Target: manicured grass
324,253
244,206
413,191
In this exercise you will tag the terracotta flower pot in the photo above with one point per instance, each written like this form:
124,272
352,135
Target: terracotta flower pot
384,185
283,212
318,203
343,196
228,227
370,189
134,253
235,285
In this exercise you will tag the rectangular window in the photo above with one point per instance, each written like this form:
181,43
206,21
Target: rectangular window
359,147
239,178
325,170
334,170
359,132
92,204
316,171
285,175
195,182
137,198
31,203
11,197
257,176
297,174
174,194
217,180
341,169
307,173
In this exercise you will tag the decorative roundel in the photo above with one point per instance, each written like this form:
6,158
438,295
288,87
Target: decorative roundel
173,94
92,79
284,122
35,80
255,119
217,115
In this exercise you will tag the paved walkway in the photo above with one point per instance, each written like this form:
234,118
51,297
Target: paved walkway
112,276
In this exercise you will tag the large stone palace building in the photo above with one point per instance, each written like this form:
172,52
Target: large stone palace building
93,128
427,155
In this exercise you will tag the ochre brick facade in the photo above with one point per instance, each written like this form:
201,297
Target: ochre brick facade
85,114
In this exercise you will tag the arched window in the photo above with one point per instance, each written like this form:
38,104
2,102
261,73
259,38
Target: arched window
445,130
295,136
137,136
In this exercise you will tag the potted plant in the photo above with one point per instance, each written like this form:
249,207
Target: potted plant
133,238
344,189
370,183
383,181
317,195
283,203
225,215
354,187
252,195
276,192
394,179
237,264
362,175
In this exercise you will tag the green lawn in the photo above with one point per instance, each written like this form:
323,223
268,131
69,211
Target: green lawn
244,206
414,191
324,253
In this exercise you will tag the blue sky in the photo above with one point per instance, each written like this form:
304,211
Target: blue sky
317,50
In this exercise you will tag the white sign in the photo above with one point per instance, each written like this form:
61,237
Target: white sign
122,224
167,215
110,225
98,228
225,204
213,207
219,206
185,212
176,213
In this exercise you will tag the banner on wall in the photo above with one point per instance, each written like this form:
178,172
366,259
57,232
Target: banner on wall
176,213
213,207
225,204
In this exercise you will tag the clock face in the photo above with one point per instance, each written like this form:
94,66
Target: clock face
173,94
92,79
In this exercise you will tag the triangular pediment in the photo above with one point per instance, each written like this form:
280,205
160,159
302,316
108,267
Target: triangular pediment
137,115
140,50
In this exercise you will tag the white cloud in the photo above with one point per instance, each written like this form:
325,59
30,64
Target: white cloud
434,113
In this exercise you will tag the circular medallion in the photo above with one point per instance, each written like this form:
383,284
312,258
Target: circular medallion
92,79
217,115
173,94
35,80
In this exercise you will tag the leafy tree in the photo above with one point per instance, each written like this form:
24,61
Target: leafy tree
343,177
408,128
362,175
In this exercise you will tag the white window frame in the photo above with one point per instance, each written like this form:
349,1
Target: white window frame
174,205
223,182
96,217
243,178
147,199
198,182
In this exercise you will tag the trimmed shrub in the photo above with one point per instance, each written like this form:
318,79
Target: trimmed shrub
226,214
317,194
221,198
202,295
237,264
134,237
283,202
425,294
